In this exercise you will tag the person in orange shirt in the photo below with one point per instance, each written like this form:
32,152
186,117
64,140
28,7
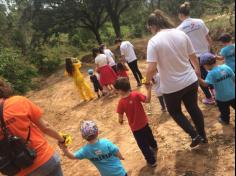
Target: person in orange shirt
19,113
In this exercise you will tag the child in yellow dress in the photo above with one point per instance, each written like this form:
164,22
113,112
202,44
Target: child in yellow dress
73,70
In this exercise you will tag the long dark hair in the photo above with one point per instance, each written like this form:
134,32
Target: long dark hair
5,90
160,20
184,9
69,66
96,51
121,67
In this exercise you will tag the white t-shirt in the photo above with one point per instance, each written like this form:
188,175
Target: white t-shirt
197,32
170,49
110,56
101,60
157,85
127,50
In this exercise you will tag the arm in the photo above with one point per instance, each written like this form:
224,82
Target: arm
48,130
209,39
68,153
195,62
121,119
149,94
220,58
119,155
151,71
203,83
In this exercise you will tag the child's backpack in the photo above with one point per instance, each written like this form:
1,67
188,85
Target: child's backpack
15,155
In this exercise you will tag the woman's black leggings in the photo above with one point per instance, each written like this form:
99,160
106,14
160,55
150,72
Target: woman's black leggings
189,96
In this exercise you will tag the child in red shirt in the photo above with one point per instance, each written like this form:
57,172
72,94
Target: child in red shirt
122,71
131,105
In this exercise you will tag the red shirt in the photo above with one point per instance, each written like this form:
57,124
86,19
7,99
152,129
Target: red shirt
133,108
122,74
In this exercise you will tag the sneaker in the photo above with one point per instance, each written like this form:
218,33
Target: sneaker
204,140
152,165
163,110
223,122
196,141
208,101
139,85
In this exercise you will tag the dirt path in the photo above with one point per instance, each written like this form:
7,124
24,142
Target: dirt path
60,101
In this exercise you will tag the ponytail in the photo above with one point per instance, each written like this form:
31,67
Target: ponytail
160,20
185,9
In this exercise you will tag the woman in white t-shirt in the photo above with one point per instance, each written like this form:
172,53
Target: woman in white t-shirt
110,56
170,51
199,36
107,74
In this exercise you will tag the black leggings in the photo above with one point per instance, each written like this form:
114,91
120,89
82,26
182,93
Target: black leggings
135,70
205,90
162,102
189,96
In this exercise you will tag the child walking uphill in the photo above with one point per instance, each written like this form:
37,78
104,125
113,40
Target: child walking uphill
97,86
122,71
73,70
228,52
101,152
131,105
223,79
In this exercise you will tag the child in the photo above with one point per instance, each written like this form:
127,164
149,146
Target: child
93,78
122,71
228,52
157,82
73,70
131,105
101,152
223,79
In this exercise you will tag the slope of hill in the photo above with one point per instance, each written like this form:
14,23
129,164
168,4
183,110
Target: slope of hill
63,110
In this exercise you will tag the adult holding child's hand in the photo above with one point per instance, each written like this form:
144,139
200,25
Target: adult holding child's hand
171,51
22,123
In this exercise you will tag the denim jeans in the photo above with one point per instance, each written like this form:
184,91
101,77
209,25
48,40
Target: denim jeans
50,168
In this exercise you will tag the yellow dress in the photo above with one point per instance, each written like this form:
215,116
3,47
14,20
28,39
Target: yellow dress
84,90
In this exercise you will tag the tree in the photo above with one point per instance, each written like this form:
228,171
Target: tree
114,9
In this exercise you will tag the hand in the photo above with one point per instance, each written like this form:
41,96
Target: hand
148,85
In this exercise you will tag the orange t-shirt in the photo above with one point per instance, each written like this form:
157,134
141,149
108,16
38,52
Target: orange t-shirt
19,114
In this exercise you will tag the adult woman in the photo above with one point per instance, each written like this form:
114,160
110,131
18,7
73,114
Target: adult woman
107,74
170,51
199,36
20,116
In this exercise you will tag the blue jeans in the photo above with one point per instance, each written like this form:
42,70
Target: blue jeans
50,168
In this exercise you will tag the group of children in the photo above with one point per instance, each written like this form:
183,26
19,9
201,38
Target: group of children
106,156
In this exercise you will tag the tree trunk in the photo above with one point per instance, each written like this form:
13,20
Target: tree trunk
98,36
159,4
116,25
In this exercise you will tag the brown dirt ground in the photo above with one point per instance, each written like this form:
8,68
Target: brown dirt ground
60,101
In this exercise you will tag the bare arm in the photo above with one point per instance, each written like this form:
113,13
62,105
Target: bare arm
119,155
151,71
203,83
221,58
149,94
45,127
209,39
68,153
195,62
121,119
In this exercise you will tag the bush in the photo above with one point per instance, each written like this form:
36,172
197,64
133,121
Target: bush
16,70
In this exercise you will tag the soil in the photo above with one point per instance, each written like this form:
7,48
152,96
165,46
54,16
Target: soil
63,109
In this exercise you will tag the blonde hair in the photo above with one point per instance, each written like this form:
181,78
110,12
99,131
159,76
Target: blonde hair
160,20
185,8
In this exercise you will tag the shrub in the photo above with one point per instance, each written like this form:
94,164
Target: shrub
16,70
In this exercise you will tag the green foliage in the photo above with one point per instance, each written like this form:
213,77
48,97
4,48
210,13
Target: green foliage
16,70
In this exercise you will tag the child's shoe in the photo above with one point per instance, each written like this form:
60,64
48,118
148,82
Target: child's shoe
196,141
152,165
208,101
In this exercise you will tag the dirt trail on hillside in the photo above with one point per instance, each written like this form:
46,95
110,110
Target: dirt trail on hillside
60,101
